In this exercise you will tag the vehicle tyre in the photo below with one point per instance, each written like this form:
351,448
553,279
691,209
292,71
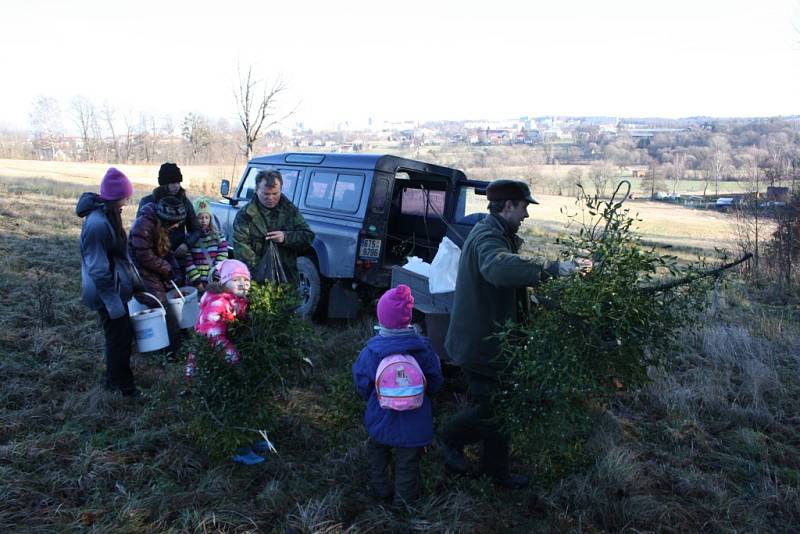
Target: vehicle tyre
309,285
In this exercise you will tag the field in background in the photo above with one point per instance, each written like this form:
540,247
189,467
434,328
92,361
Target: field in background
196,178
712,444
662,224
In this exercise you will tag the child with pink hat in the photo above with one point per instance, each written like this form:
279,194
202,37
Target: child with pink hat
222,303
395,373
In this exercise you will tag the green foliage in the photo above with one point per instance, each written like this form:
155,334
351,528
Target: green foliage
230,403
595,335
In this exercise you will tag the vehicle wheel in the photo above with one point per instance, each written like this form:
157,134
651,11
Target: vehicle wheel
309,286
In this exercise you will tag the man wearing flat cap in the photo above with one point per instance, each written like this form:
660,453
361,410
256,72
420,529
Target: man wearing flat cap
491,288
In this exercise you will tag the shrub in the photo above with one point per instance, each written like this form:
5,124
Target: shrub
596,335
231,403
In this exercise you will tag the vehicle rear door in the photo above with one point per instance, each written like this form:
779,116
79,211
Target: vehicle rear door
467,208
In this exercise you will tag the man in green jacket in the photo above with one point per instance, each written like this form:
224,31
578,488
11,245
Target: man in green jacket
491,288
270,216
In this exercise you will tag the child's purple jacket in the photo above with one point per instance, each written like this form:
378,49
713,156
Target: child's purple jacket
413,428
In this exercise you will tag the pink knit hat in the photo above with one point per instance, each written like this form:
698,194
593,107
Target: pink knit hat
230,269
394,307
115,185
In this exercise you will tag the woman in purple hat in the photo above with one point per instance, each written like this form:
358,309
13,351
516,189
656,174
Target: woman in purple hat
106,277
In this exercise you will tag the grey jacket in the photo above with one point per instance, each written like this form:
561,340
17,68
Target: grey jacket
490,290
106,276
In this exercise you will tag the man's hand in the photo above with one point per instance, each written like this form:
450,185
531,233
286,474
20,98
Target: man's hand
278,236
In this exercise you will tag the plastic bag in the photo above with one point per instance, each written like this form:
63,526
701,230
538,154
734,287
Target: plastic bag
418,266
270,267
444,268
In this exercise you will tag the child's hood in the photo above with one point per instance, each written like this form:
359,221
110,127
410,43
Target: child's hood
87,203
215,288
386,345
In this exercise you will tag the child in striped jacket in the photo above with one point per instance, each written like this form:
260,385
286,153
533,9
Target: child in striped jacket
207,245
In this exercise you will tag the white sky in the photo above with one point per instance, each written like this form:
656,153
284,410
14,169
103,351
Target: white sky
419,60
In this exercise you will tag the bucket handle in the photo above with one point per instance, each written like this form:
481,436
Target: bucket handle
180,293
154,298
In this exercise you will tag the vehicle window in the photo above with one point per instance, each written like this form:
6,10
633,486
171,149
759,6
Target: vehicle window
320,190
470,204
329,190
289,182
378,201
347,195
414,202
249,187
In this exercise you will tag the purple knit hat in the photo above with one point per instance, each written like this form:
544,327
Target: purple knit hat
394,307
115,185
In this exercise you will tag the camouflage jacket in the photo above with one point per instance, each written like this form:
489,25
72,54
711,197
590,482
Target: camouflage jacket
254,221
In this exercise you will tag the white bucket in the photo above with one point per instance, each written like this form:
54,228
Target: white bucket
150,327
135,306
183,306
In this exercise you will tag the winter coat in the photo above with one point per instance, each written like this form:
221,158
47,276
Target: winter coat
490,290
218,309
157,271
255,221
206,249
177,236
106,277
412,428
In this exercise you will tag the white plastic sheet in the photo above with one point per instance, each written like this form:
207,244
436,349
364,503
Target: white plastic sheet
417,265
444,268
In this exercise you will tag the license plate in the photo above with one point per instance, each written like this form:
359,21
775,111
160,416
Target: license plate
370,249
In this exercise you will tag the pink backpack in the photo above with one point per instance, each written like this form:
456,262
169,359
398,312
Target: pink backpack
400,383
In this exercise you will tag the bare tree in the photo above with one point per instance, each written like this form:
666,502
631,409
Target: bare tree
573,181
130,137
45,119
84,117
257,106
778,158
749,222
600,174
197,132
718,161
107,113
680,160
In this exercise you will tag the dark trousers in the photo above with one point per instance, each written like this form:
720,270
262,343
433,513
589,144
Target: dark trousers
119,337
406,471
476,423
175,334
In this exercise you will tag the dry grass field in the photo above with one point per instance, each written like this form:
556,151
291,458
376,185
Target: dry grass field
712,444
662,224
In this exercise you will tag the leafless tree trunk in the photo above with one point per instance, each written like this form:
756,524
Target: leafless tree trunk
83,115
107,113
257,105
129,137
719,160
45,118
679,160
751,161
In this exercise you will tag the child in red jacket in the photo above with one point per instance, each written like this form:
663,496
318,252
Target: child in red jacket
220,306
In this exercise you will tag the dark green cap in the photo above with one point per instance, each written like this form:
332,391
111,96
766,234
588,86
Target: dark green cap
504,189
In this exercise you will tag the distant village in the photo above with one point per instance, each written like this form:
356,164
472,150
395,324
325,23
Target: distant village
522,131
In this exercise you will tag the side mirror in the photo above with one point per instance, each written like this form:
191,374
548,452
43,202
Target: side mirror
224,188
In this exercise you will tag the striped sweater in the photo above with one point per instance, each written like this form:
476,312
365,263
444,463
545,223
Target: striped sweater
198,266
